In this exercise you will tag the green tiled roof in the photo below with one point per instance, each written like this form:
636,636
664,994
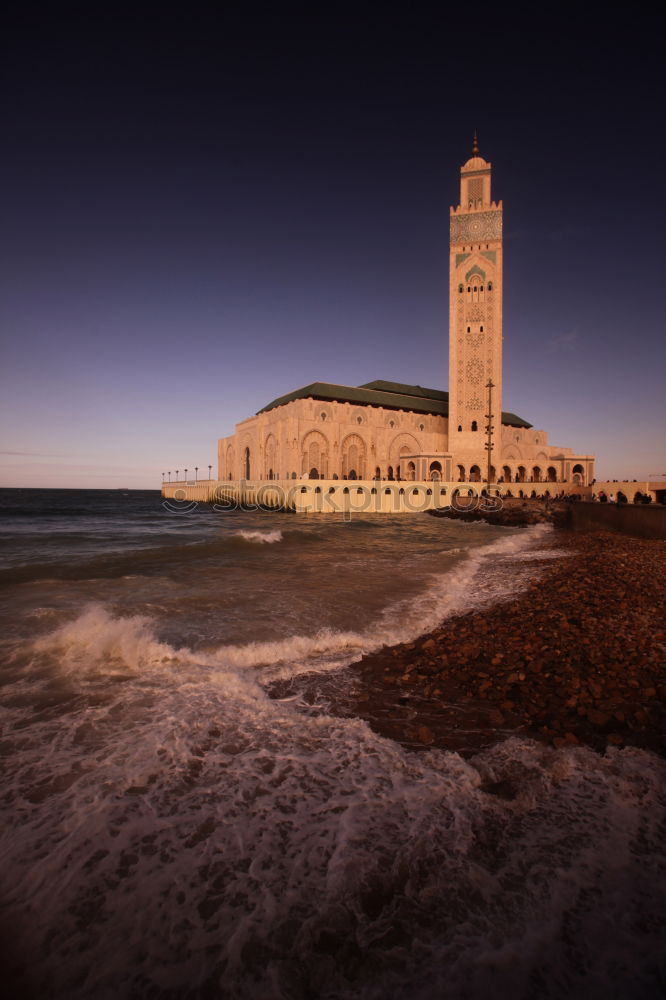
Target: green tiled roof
389,395
407,390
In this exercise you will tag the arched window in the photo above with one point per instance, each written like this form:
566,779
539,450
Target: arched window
475,426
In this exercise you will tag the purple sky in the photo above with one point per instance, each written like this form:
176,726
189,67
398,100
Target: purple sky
204,210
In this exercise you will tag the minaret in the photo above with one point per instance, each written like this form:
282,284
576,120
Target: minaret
475,316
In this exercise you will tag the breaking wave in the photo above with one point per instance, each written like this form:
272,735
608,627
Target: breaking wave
262,537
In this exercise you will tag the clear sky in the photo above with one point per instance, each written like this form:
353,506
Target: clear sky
205,208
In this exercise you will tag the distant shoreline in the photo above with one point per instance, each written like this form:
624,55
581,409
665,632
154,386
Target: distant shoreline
578,657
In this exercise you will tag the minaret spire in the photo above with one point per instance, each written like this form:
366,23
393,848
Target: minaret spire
475,145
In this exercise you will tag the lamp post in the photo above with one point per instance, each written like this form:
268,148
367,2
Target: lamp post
186,475
196,472
209,468
163,476
169,475
489,431
177,473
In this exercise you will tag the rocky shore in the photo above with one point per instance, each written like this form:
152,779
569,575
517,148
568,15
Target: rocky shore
580,657
512,512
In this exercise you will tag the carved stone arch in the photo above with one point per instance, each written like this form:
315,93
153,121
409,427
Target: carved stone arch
541,458
315,453
229,468
271,456
353,454
512,454
403,443
249,460
475,271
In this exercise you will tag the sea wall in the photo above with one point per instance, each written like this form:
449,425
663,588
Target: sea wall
643,521
319,496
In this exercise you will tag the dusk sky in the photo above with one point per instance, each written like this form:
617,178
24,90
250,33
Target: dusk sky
205,208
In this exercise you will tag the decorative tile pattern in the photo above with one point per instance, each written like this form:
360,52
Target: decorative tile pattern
476,226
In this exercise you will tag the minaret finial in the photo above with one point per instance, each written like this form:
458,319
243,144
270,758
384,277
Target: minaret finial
475,145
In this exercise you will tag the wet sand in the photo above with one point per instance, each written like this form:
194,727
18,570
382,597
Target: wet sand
579,657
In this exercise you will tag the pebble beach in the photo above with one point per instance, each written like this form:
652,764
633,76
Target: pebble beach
577,658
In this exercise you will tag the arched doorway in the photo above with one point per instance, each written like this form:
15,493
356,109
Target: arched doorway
475,474
578,475
506,473
536,474
353,454
314,454
390,473
551,474
521,474
435,471
411,470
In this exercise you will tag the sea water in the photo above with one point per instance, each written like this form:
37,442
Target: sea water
172,830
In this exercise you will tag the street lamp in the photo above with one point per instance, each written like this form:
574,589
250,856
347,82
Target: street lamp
196,472
169,475
177,473
186,474
209,468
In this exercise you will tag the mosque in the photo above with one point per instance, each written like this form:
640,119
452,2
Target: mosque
395,432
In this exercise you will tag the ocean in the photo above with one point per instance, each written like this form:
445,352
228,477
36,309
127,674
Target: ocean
173,828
